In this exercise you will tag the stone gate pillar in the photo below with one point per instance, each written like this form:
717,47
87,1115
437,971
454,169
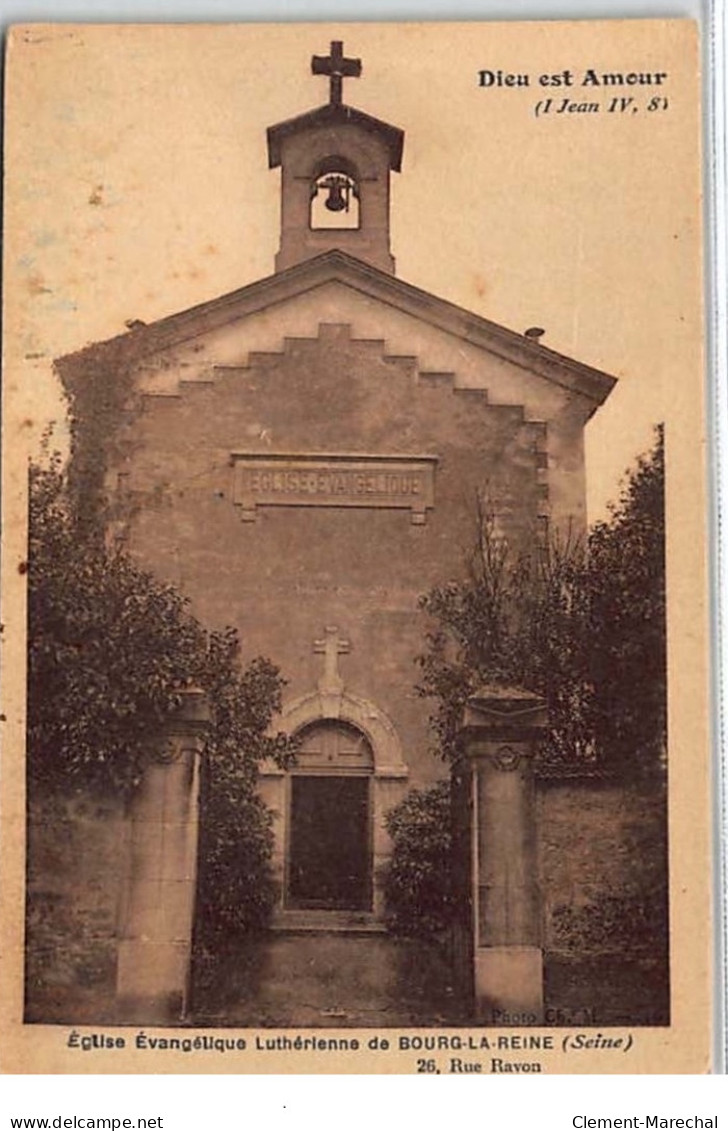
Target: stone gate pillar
158,901
501,727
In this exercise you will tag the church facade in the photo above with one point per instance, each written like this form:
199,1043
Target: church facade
307,456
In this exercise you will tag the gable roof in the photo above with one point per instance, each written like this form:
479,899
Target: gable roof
335,115
336,266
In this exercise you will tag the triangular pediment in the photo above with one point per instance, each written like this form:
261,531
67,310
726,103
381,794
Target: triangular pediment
330,116
336,267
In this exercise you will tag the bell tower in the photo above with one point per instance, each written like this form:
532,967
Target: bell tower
335,165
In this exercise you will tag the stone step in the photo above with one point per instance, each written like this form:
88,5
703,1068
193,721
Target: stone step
306,922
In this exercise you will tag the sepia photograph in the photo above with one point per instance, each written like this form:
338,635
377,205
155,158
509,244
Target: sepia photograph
355,548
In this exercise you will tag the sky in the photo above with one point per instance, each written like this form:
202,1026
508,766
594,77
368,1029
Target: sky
137,186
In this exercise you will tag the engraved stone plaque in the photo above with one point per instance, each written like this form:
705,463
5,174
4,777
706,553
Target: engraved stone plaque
334,480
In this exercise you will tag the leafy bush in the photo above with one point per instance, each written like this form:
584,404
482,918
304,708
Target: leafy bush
582,625
628,602
519,619
418,883
109,650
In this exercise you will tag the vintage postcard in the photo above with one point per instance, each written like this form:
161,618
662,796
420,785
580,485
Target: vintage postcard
355,683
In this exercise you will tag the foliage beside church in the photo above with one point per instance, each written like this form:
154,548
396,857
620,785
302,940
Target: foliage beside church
110,650
419,881
581,622
585,627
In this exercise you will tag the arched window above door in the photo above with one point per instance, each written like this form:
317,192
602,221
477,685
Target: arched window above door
364,717
334,746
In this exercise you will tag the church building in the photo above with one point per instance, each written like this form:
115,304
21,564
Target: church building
306,456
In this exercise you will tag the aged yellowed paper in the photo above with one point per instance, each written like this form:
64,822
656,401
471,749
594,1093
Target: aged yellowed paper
355,695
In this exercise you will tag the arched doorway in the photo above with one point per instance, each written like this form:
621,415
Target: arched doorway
365,746
329,851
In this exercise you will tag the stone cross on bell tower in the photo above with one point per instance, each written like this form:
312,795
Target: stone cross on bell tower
335,165
337,67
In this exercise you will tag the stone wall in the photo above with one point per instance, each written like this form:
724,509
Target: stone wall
76,862
603,877
602,846
602,873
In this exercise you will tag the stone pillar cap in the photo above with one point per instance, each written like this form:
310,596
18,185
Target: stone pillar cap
494,706
497,693
194,709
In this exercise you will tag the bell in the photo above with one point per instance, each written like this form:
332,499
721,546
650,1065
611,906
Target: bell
336,200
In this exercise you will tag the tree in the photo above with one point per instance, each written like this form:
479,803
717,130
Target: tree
518,618
109,650
583,626
628,614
